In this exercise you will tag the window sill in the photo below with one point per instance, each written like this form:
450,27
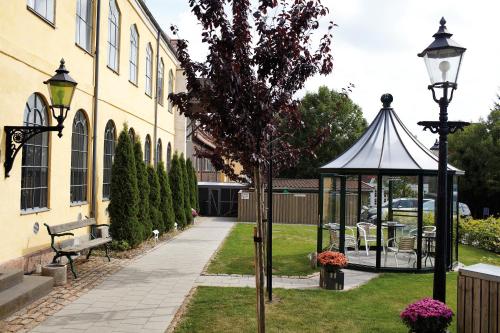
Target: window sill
51,24
78,203
84,50
133,83
34,211
106,200
114,71
149,95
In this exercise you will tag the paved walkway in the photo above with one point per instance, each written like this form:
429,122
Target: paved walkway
145,295
352,279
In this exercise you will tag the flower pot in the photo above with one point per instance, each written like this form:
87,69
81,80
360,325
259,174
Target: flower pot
331,278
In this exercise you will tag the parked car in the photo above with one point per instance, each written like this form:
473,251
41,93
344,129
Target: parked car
398,204
430,206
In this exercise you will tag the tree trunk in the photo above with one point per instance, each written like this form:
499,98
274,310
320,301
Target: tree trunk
259,253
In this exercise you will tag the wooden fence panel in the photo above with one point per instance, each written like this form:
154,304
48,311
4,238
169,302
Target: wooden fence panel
478,299
288,208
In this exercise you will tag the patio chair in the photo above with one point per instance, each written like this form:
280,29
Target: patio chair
364,233
403,245
350,239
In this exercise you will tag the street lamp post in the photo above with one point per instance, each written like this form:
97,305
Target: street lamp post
61,89
442,58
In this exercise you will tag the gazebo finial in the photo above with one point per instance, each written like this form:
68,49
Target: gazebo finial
386,100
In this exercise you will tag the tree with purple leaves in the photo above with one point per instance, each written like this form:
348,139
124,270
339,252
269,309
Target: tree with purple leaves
245,88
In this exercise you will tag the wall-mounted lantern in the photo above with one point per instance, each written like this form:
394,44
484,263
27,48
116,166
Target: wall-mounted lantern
61,89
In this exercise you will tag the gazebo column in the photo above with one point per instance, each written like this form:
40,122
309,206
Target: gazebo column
390,214
420,220
379,221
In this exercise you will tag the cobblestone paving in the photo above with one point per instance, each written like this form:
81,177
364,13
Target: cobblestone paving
352,279
90,274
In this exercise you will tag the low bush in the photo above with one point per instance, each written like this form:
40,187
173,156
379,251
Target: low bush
121,245
484,234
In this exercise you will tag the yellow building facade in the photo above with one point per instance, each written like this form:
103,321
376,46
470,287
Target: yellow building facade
125,66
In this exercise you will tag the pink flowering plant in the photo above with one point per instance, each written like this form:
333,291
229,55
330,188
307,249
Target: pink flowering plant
427,316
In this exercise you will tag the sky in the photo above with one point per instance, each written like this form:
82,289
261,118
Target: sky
375,47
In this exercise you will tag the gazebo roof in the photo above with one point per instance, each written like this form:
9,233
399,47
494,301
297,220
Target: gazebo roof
387,146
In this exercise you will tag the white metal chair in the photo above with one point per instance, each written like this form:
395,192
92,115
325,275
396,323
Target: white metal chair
364,229
404,245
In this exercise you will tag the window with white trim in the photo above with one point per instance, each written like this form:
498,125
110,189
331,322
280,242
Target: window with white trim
84,14
44,8
149,70
161,82
113,35
134,53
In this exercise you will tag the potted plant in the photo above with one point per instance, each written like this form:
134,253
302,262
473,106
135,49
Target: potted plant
331,277
427,316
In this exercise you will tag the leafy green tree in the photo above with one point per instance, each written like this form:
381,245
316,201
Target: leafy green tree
166,207
476,150
401,187
143,187
154,199
124,204
192,184
177,187
187,190
340,115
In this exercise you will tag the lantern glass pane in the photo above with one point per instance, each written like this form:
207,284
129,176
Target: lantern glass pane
443,65
61,93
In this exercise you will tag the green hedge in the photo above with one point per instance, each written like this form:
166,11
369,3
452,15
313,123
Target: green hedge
484,234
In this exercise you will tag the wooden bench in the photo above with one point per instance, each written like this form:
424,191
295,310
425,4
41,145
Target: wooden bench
68,248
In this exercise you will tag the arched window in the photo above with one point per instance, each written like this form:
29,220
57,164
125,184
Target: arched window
134,53
79,143
170,88
147,150
161,82
158,151
113,35
169,156
84,14
149,70
35,160
109,154
131,134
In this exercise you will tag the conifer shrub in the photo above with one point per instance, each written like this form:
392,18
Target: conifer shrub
166,207
177,187
187,190
192,184
143,186
154,199
124,203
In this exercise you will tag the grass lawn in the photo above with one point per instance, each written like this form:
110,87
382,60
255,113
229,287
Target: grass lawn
373,307
291,245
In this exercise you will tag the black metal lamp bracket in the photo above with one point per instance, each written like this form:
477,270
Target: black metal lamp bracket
16,138
449,127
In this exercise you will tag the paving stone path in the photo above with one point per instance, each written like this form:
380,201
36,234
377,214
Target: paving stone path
352,279
145,295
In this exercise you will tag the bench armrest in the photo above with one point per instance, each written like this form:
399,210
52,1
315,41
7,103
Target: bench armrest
64,234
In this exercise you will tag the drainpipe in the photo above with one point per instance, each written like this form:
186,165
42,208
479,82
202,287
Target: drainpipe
93,209
155,135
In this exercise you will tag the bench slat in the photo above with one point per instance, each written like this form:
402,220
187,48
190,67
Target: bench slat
57,229
86,245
